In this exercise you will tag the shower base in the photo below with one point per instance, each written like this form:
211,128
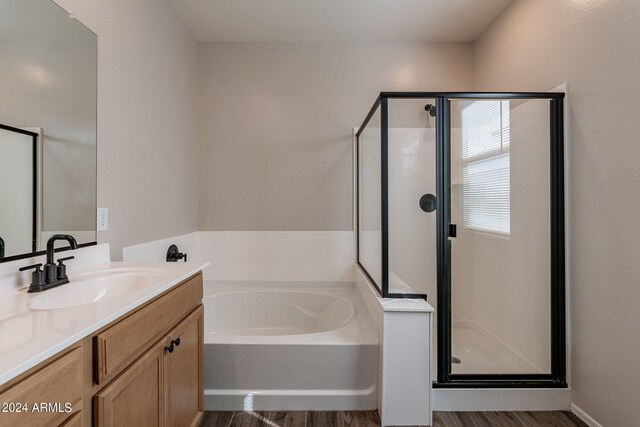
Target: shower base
481,353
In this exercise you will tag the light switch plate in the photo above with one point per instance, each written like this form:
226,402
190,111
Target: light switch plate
103,219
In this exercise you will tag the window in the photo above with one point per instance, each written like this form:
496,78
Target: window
486,195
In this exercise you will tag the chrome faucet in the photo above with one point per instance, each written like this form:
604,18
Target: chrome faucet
53,275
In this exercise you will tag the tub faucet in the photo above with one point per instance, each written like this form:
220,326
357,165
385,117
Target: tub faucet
173,255
53,275
1,248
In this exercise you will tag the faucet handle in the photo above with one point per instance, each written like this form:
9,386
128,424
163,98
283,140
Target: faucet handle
37,277
29,267
61,269
61,260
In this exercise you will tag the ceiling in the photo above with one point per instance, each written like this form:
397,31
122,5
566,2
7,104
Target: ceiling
338,20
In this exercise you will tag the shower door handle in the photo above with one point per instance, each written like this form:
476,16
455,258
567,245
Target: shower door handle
453,230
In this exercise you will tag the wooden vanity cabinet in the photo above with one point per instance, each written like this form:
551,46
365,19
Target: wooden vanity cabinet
117,345
161,388
57,385
143,369
164,385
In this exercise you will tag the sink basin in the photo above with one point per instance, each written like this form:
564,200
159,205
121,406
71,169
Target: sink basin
12,307
90,288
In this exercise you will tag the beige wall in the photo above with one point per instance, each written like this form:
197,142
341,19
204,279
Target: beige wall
593,46
276,123
147,119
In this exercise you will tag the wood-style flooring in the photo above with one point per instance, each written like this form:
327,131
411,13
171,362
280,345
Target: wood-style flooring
371,419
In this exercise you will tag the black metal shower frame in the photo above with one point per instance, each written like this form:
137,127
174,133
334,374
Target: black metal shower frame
557,377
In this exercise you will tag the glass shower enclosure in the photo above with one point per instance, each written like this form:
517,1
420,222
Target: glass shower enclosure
460,201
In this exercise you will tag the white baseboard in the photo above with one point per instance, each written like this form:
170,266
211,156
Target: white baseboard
290,400
588,420
503,399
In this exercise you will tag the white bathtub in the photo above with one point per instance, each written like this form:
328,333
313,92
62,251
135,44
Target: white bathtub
288,346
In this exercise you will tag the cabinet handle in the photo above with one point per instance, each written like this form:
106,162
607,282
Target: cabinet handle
169,348
176,342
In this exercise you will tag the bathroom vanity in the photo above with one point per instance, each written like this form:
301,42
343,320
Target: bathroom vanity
154,354
120,343
134,358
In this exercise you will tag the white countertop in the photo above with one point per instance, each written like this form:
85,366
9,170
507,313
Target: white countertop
28,337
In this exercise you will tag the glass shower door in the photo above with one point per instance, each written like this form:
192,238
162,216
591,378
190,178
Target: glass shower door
500,259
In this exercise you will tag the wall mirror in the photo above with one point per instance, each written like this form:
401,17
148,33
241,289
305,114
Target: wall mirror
48,102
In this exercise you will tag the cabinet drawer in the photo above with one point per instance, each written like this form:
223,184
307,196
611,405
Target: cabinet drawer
122,343
55,385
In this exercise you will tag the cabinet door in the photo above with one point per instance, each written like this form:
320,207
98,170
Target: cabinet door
42,398
135,398
184,386
74,421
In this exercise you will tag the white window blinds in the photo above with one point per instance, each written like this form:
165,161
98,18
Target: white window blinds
485,166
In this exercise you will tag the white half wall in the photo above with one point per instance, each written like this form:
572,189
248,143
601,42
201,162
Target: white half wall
156,251
404,329
260,255
278,255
